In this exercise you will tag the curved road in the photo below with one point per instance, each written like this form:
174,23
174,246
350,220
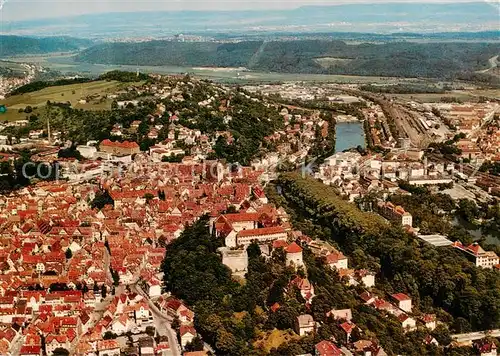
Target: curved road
162,322
493,61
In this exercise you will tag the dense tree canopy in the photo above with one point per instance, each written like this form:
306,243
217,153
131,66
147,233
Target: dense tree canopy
406,264
401,59
233,316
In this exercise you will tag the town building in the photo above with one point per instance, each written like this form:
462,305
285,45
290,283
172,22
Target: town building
481,258
187,333
294,255
395,213
402,301
260,235
485,348
327,348
305,324
117,148
342,314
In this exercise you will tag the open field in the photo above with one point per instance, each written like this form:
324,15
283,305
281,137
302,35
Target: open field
274,338
327,62
65,64
489,93
13,68
72,93
431,97
463,95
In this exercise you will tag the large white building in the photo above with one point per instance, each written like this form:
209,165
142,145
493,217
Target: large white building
482,258
261,235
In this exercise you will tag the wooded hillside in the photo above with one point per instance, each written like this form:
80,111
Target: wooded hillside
400,59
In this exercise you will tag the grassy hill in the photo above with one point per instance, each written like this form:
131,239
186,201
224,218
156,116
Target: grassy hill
72,93
402,59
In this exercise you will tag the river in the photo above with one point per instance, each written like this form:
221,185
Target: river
349,135
491,237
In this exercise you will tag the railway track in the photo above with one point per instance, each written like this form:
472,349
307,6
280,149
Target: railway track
404,122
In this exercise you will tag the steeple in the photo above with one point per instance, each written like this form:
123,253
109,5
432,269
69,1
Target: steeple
48,130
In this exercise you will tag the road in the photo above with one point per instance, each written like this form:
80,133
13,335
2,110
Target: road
15,348
161,321
476,132
107,266
493,62
477,335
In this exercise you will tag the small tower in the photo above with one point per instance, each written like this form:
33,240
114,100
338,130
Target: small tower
48,130
294,255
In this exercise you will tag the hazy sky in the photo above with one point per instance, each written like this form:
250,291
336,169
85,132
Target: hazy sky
30,9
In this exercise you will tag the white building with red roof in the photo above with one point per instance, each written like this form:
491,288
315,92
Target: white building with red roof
429,320
403,301
53,342
482,258
31,351
119,148
305,287
108,347
486,348
187,334
294,255
261,235
395,212
337,260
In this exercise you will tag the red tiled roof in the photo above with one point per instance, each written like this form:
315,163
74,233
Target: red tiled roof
293,248
184,329
347,327
31,350
327,348
400,297
107,345
279,244
240,217
125,144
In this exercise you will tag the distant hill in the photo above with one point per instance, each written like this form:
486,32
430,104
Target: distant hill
20,45
402,59
374,18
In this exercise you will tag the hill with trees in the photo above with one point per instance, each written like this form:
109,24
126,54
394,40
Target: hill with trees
236,318
247,120
399,59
